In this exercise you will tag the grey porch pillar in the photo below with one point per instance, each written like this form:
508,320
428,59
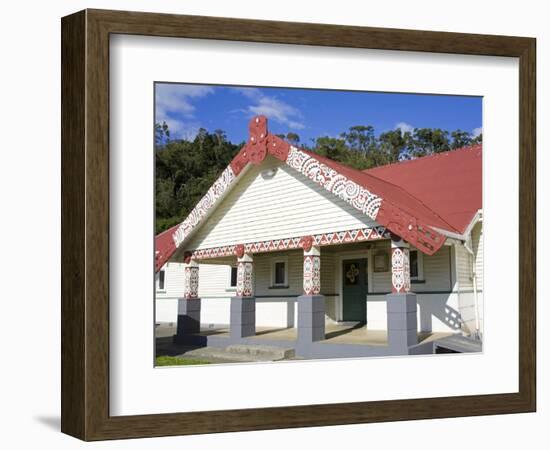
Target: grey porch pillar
189,306
243,305
401,303
311,305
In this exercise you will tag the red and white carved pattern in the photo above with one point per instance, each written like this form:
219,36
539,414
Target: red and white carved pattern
198,213
312,274
191,281
306,243
245,279
337,237
239,250
349,191
400,270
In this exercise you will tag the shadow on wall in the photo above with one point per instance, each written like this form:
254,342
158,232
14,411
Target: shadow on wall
436,306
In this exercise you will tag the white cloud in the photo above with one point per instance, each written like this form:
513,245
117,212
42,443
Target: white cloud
272,107
476,132
182,129
174,102
404,127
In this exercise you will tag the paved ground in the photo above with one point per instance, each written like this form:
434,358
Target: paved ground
166,347
335,334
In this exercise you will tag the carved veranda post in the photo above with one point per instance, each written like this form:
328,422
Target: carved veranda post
400,266
243,305
312,270
189,306
245,276
401,303
311,305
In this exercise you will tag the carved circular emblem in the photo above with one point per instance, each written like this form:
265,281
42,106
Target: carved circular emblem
239,250
306,243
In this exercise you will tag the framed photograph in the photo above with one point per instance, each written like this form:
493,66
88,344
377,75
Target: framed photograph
381,262
285,205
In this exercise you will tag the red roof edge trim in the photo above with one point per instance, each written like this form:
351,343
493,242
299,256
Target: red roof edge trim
164,247
410,229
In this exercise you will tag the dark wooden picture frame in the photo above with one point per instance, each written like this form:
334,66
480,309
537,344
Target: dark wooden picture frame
85,224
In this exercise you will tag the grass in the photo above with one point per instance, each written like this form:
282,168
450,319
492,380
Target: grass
175,361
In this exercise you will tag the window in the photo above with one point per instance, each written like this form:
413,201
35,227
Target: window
233,278
161,280
279,272
416,265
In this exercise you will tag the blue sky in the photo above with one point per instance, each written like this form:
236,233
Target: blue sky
310,113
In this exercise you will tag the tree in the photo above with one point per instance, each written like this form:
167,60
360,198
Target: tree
293,138
427,141
221,137
201,137
393,144
478,139
162,133
360,138
332,148
460,139
185,170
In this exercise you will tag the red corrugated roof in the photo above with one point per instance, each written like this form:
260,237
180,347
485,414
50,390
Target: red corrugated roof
448,183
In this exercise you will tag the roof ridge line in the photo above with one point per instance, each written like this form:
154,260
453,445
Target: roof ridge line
433,155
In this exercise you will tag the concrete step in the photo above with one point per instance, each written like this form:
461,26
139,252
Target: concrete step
269,351
242,353
459,344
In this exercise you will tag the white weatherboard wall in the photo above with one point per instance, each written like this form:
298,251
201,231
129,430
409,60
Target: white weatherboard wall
166,304
214,290
437,297
275,307
287,204
215,293
465,264
467,295
443,297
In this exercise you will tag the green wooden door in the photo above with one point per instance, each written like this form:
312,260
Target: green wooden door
354,289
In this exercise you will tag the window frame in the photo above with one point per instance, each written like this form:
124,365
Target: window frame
273,265
157,280
230,287
420,266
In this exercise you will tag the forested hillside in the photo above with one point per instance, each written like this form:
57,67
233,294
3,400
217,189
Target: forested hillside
186,169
